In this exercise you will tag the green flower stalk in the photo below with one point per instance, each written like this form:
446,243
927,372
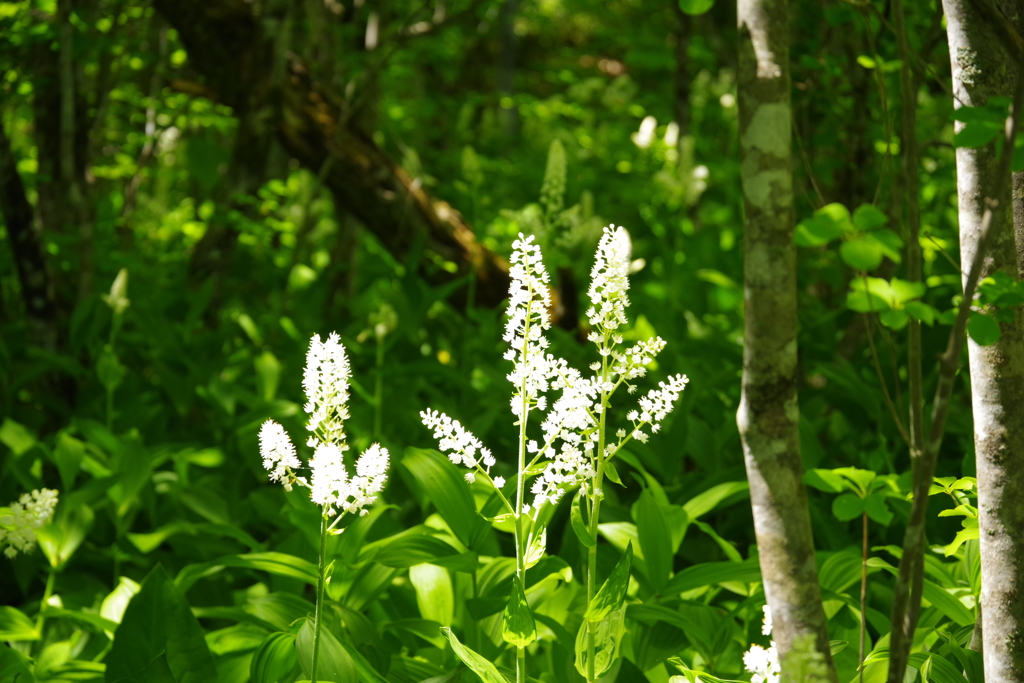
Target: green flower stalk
326,381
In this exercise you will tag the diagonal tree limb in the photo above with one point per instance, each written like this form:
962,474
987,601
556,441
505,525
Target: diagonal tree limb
228,45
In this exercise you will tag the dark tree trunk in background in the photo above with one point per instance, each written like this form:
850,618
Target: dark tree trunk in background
769,413
227,44
981,70
37,289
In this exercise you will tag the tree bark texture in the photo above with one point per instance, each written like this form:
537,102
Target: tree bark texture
768,416
227,43
981,70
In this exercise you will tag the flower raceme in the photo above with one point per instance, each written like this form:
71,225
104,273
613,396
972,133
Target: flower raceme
572,427
326,382
18,526
763,663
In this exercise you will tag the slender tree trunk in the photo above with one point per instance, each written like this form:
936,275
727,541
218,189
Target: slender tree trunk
981,70
769,414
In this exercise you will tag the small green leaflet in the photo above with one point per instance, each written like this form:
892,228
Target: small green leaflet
517,626
613,592
487,672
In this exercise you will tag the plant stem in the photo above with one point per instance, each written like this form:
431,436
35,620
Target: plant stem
595,513
863,594
47,594
319,596
521,489
378,389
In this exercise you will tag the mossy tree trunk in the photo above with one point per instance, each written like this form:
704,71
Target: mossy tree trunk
769,414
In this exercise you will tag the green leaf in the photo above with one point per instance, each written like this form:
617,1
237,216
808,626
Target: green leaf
434,593
447,490
921,311
847,506
825,480
695,7
837,646
16,627
278,564
866,302
367,673
16,437
983,329
862,253
68,456
827,223
713,573
878,509
894,318
60,538
705,502
334,663
961,537
613,592
274,659
868,217
109,369
608,633
406,551
477,664
578,525
655,540
976,134
158,619
517,625
157,671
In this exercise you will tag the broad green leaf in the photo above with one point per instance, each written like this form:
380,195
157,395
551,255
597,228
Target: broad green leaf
367,672
921,311
109,369
937,668
655,540
578,525
434,593
905,291
114,605
158,619
983,329
16,437
279,564
894,319
861,253
976,134
713,573
517,625
333,664
68,456
837,646
695,7
827,223
962,537
825,480
866,302
15,626
607,635
410,550
274,659
890,243
477,664
157,671
536,548
728,548
279,609
613,592
705,502
447,490
868,217
847,506
60,538
878,509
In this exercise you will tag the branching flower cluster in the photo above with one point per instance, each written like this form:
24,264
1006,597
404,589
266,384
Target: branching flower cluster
326,381
763,663
575,425
31,512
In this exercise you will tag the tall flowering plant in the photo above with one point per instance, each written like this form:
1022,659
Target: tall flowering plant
326,383
577,441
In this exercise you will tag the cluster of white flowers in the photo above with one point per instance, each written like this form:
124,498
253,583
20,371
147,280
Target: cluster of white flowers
529,302
331,486
31,512
762,663
572,427
609,282
326,381
278,453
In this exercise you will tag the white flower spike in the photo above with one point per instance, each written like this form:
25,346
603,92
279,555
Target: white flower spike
31,512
